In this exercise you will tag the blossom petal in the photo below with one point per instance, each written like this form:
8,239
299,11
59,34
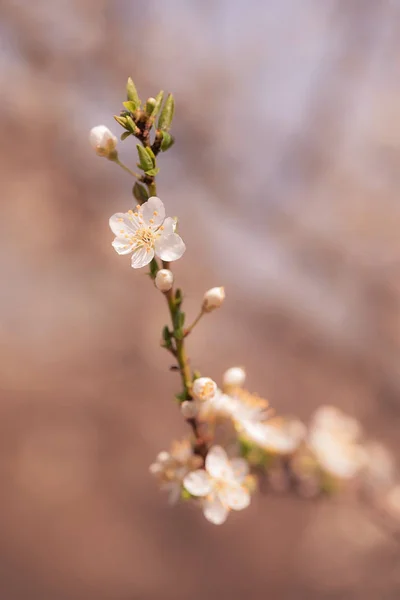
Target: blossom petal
214,510
240,468
124,224
153,212
169,226
141,257
122,245
236,497
170,247
197,483
217,464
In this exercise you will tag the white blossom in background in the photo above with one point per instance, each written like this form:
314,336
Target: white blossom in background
164,280
379,471
145,233
103,141
333,438
220,485
249,408
278,436
204,388
170,468
213,299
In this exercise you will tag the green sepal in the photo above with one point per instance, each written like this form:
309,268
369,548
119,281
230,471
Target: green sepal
125,135
140,193
153,268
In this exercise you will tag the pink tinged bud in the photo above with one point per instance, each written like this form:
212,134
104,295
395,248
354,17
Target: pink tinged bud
103,141
234,377
164,280
213,298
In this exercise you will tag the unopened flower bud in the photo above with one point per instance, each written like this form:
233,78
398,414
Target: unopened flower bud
103,141
150,106
213,298
204,388
164,280
234,377
189,409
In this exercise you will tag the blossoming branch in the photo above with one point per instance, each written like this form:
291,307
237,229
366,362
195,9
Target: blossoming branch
235,439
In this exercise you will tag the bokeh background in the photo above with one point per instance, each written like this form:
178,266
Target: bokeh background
285,176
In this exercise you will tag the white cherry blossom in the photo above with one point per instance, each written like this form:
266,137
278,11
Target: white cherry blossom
204,388
333,438
145,233
220,485
170,468
280,436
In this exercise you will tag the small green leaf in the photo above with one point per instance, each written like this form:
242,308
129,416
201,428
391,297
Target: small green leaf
167,141
167,337
125,135
181,397
151,154
130,106
145,162
153,172
158,99
178,297
122,121
140,193
167,114
130,124
131,93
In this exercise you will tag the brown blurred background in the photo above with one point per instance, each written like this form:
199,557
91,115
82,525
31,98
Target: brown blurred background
285,176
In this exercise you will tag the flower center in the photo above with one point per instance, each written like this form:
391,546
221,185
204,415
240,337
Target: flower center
145,237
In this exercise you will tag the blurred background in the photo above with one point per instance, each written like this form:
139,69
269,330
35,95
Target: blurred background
285,176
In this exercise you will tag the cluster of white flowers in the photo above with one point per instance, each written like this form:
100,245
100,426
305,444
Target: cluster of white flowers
234,431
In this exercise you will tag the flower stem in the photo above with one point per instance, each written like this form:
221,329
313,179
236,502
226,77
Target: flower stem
179,352
193,325
125,168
